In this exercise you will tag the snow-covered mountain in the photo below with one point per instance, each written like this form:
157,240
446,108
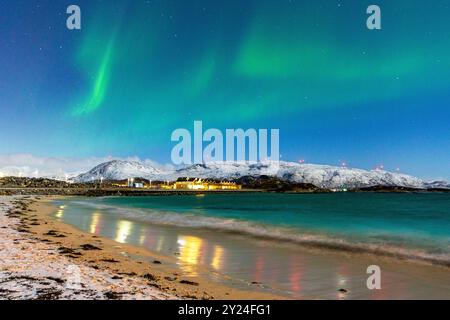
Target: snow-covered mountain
323,176
119,170
438,185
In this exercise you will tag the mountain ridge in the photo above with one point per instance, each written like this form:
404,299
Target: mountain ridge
322,176
118,170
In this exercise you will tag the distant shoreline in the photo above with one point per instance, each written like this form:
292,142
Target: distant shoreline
103,192
131,192
261,184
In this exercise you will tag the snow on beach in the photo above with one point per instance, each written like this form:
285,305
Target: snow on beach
31,269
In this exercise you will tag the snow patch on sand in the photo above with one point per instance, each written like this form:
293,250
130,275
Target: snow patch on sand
33,270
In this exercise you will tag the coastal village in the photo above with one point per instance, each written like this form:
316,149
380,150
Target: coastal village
180,184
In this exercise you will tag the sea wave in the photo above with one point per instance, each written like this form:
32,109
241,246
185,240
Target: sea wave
435,255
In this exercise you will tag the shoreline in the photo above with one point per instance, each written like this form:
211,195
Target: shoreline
120,261
311,269
89,191
156,276
313,241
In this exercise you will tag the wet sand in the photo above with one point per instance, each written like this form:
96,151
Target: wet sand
255,264
120,260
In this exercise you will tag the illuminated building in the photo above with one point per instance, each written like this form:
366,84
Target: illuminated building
201,184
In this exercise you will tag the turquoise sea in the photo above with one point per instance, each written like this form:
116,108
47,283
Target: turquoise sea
237,234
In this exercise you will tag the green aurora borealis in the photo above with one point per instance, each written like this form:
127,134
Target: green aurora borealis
140,69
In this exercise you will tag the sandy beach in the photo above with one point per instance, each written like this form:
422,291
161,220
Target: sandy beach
33,269
40,258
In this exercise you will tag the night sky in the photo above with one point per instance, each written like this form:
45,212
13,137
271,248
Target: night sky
137,70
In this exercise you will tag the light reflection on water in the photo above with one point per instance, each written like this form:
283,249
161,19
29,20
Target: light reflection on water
142,239
194,253
190,249
160,243
95,223
123,230
217,259
60,212
220,256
